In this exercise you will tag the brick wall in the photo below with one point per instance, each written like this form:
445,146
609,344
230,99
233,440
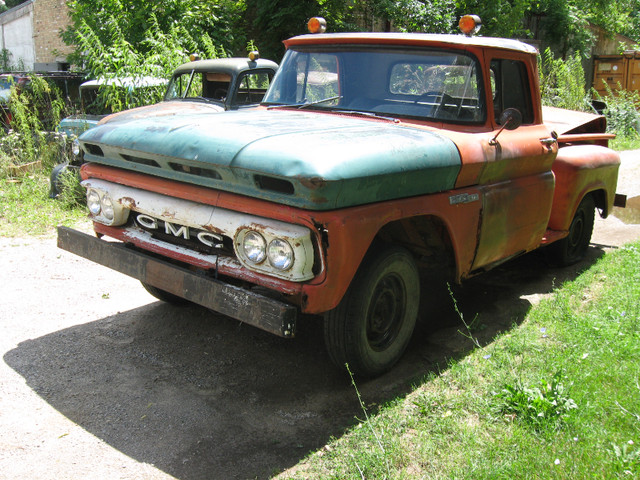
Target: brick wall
49,17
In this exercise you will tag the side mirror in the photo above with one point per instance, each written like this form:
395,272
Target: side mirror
510,119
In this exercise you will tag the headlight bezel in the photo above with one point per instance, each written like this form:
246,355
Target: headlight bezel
103,208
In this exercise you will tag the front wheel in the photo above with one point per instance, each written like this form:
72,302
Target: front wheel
372,325
573,247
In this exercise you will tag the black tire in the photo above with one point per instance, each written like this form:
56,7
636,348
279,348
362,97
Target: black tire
164,296
372,325
56,179
573,247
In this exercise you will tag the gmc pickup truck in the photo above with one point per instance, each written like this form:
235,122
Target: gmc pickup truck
374,160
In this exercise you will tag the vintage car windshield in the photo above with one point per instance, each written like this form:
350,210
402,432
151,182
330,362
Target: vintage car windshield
430,84
199,85
216,87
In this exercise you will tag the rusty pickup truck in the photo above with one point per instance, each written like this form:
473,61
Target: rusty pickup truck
374,159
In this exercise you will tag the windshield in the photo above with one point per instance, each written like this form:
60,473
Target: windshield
217,87
437,85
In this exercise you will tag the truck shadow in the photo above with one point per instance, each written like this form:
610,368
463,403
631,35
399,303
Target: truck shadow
202,396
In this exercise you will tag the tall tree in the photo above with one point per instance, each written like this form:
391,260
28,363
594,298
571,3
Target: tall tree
133,19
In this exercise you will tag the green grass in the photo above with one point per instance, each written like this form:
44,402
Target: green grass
26,209
625,143
556,397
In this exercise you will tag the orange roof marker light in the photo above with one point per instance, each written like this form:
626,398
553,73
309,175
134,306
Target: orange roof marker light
317,25
470,24
254,55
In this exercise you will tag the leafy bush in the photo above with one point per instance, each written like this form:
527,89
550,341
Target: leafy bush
117,58
35,112
562,82
622,114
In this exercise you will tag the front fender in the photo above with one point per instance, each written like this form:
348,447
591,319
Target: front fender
581,169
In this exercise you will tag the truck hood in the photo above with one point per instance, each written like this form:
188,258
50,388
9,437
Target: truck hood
571,122
310,160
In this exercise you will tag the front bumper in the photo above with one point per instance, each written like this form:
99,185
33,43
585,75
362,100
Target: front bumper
249,307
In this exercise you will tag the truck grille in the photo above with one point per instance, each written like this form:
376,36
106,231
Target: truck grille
198,240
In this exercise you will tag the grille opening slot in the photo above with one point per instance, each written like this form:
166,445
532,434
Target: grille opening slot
141,160
199,171
277,185
94,149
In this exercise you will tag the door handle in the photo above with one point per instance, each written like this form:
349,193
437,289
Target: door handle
550,141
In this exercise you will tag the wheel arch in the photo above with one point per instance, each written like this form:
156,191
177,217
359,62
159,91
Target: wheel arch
427,237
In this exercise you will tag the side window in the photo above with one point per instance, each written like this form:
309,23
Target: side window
215,86
510,88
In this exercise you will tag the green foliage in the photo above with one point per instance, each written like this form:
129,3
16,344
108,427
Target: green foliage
26,209
36,110
622,114
540,407
562,82
134,19
156,55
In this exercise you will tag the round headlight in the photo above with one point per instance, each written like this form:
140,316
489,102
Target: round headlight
280,254
75,147
93,202
255,247
107,208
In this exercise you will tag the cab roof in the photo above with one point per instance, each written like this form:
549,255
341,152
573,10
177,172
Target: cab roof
410,39
231,66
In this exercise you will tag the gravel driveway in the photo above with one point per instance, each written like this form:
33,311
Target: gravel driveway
99,380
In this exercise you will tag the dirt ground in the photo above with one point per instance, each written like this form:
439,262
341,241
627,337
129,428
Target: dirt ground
98,380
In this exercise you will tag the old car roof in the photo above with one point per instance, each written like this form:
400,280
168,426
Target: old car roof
413,39
226,65
125,82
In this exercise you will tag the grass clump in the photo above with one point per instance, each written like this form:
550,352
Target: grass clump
504,411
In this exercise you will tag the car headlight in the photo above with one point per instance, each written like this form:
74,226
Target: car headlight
255,247
107,208
93,202
280,254
75,147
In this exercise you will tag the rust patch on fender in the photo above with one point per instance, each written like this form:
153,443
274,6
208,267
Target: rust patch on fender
128,202
312,183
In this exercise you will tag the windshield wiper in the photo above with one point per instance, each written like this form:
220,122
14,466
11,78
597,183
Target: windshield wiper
318,102
305,104
361,113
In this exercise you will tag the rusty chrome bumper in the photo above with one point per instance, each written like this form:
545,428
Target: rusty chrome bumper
248,307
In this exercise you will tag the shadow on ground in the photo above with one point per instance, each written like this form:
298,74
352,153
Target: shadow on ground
201,396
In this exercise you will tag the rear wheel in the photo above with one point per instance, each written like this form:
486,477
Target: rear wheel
573,247
372,325
163,295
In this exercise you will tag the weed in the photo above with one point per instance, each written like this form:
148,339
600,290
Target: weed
469,327
375,434
627,457
622,115
539,406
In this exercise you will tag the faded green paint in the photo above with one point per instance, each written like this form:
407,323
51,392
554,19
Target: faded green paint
331,161
75,125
